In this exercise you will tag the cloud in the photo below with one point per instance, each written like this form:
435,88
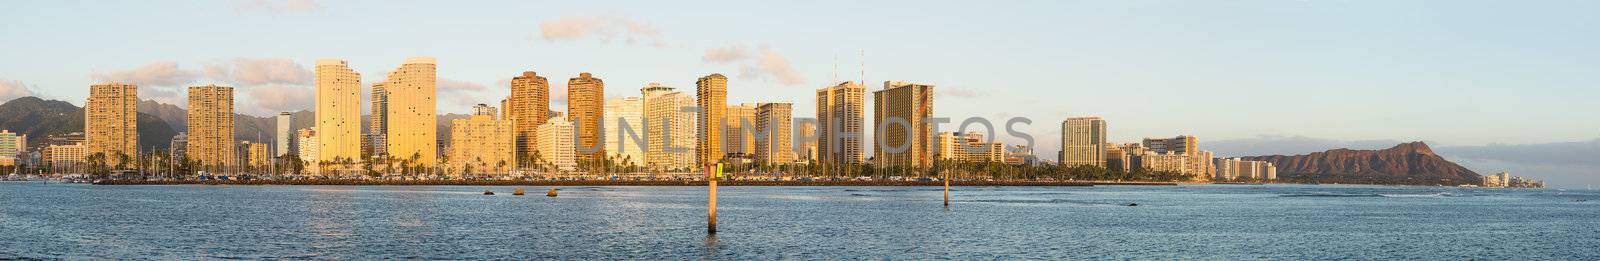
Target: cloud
766,64
13,89
249,71
603,27
725,54
448,85
275,6
270,99
466,94
164,73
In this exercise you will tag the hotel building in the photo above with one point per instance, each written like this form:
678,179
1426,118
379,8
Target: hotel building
841,115
625,130
211,126
775,122
528,107
338,111
711,96
669,129
556,145
412,125
586,97
1083,142
905,137
483,143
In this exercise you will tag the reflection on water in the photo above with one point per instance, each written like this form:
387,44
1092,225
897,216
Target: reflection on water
1185,222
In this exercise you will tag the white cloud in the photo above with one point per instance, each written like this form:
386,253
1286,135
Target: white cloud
271,99
957,92
13,89
165,73
766,64
602,27
251,71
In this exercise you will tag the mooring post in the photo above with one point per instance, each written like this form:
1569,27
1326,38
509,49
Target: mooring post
712,173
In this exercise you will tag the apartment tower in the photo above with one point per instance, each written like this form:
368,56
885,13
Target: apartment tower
1083,142
775,122
586,101
412,124
841,114
338,111
528,107
669,130
905,137
111,120
624,129
211,126
711,95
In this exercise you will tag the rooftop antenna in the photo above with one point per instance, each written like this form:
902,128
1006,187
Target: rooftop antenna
835,69
863,67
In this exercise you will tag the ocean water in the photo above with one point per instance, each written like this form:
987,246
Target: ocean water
1228,222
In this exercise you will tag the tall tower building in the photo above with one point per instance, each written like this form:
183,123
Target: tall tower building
284,145
736,139
307,138
841,112
669,130
338,111
625,120
211,126
711,94
807,147
412,125
902,110
586,101
378,129
528,107
775,120
1083,142
111,120
482,143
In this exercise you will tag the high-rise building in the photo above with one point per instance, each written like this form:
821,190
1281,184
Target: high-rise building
556,147
737,140
841,115
1083,142
63,158
12,147
255,155
624,131
807,146
669,130
111,120
902,110
529,107
338,111
378,131
211,126
711,96
307,138
1184,144
179,145
482,143
284,145
586,101
774,122
412,124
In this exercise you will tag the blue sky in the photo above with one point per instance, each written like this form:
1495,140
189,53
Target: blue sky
1461,73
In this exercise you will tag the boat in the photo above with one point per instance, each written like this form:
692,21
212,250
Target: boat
488,193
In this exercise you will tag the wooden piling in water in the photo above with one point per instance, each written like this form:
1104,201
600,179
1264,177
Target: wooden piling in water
947,192
712,173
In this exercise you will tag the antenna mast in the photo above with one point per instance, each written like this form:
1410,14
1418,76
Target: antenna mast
863,68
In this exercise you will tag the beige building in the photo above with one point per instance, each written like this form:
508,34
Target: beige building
338,111
1164,162
774,121
841,115
255,155
307,138
901,112
968,147
1236,168
529,107
412,123
808,146
1199,161
482,143
556,146
1083,142
625,130
111,119
737,140
670,130
65,158
711,94
586,98
211,126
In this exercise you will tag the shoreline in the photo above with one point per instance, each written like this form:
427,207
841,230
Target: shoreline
750,183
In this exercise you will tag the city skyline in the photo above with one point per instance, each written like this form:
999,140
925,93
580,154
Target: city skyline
560,43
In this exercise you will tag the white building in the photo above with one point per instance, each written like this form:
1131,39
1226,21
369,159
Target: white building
624,121
556,146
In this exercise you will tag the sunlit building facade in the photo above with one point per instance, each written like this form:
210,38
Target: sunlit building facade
901,110
412,124
586,97
711,96
841,115
338,111
211,124
111,119
625,131
669,129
